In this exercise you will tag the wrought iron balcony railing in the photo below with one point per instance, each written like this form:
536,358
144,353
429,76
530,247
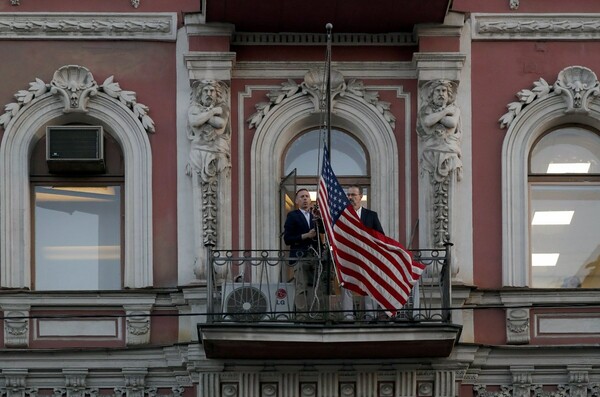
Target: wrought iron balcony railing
261,286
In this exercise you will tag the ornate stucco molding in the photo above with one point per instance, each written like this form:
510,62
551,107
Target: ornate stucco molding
75,84
577,84
15,384
313,86
535,26
97,26
137,324
75,385
16,326
517,326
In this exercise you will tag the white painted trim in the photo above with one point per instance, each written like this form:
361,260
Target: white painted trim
531,122
528,26
15,224
297,114
88,26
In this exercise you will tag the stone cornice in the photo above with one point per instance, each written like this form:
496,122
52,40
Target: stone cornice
317,39
95,26
535,26
297,70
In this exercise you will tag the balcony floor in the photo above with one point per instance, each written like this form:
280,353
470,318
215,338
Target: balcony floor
322,341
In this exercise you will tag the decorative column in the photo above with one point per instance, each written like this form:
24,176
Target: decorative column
444,384
440,133
75,385
209,164
15,384
521,378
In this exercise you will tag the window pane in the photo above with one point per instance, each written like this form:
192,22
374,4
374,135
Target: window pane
565,246
347,156
568,150
77,238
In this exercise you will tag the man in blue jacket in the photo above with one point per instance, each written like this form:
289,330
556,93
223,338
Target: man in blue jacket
301,234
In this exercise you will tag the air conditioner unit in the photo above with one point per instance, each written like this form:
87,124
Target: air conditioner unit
75,149
253,302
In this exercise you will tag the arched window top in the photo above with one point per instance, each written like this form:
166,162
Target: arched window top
348,157
567,150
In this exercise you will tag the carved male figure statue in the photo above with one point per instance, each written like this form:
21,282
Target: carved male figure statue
208,130
438,126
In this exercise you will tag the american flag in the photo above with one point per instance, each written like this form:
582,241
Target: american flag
366,261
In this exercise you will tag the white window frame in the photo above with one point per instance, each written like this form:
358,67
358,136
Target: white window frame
282,126
533,121
20,136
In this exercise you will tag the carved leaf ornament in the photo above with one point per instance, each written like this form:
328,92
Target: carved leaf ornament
577,84
312,85
76,84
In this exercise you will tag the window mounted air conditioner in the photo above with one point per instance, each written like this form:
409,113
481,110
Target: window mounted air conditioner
253,302
75,149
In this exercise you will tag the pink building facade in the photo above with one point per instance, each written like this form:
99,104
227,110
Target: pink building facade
140,138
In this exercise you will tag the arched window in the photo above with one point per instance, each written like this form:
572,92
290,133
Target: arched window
77,216
275,141
349,159
25,130
564,209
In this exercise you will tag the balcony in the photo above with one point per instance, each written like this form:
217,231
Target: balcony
252,314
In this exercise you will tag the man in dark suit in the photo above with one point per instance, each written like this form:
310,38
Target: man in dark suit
371,220
299,229
299,232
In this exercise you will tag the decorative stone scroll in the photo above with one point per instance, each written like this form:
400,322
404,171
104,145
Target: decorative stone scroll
314,85
89,25
439,130
577,84
76,85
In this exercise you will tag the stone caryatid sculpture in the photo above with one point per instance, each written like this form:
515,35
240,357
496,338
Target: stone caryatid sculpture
209,133
209,130
439,130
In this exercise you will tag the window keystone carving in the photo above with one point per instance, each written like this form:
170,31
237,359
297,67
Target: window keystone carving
314,85
76,85
577,84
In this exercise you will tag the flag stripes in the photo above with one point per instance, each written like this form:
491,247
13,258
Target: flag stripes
366,261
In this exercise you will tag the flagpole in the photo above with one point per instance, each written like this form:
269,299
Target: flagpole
329,27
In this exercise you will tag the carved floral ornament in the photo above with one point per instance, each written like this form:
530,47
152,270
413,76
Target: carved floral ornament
577,84
76,85
313,85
